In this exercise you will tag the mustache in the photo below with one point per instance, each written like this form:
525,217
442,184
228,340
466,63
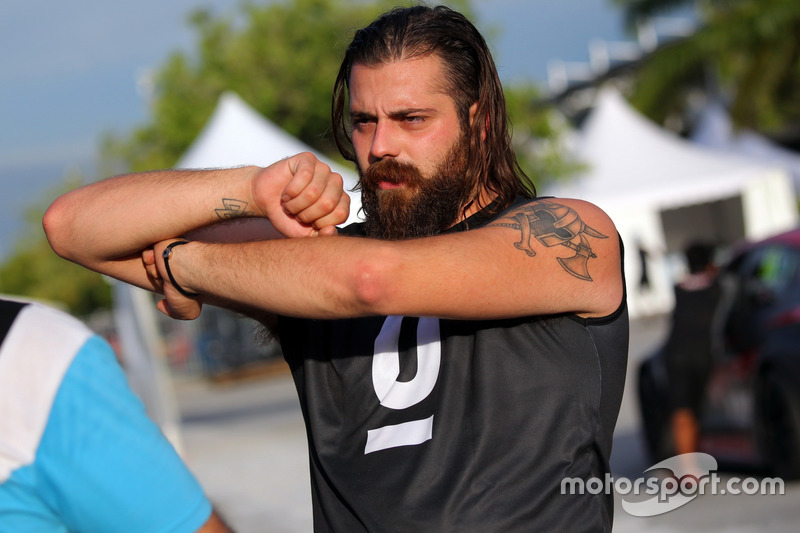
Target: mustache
391,171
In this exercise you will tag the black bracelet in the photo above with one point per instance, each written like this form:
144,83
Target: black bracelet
166,254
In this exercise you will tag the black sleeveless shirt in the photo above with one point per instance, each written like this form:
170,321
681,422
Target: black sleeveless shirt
425,424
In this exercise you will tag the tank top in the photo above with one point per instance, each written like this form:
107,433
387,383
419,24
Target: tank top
426,424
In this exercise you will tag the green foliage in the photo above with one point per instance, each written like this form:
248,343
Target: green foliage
35,271
750,49
537,135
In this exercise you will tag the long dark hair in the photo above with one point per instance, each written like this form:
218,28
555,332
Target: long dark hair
471,75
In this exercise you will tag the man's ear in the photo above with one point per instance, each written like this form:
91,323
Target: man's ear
473,109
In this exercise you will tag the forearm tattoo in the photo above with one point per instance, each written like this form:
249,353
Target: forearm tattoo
233,209
553,224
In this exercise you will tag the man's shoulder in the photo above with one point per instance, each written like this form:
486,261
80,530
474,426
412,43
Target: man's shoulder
560,212
50,330
541,202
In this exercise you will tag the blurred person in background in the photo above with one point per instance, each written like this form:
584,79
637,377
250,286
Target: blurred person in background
77,451
689,347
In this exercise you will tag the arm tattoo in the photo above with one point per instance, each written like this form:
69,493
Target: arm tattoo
553,224
233,209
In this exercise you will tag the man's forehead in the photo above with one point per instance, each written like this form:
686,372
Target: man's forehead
406,79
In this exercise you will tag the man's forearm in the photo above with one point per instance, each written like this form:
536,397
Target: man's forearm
298,277
120,216
108,225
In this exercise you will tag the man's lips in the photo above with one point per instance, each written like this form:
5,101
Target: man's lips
386,185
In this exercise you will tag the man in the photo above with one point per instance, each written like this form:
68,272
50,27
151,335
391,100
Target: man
459,354
77,451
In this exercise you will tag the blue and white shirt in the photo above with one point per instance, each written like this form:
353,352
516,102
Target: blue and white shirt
77,451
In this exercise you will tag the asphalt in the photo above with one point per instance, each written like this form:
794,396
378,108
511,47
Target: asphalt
245,442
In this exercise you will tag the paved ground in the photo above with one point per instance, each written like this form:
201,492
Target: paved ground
245,442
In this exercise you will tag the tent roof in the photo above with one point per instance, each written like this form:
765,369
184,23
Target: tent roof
715,130
237,135
630,159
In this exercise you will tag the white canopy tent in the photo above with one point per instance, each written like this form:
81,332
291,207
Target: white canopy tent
664,192
237,135
714,130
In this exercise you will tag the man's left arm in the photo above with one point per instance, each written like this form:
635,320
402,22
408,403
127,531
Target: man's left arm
545,257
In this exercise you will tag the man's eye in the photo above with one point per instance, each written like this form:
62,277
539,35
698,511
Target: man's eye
361,123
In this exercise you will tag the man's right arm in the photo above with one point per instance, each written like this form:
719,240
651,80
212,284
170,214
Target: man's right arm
106,226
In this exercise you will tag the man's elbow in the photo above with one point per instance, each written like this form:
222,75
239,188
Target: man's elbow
56,228
58,223
372,282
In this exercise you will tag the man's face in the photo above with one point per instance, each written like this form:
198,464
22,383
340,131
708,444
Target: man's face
411,151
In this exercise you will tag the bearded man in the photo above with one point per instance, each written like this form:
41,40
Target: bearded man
461,354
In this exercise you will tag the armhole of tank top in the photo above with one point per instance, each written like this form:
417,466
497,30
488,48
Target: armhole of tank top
8,314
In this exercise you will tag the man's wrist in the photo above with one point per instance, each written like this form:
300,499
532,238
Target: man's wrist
168,254
253,173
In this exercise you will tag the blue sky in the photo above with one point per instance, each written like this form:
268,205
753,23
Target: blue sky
69,72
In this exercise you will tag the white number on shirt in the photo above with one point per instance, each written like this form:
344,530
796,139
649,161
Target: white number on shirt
402,395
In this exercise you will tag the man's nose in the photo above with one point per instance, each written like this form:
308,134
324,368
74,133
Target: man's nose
385,142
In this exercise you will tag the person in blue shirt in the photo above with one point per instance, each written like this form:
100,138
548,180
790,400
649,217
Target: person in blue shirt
77,450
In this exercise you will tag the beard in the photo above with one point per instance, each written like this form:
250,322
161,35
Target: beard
423,205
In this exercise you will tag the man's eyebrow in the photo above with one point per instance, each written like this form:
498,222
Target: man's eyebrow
401,113
361,115
398,114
